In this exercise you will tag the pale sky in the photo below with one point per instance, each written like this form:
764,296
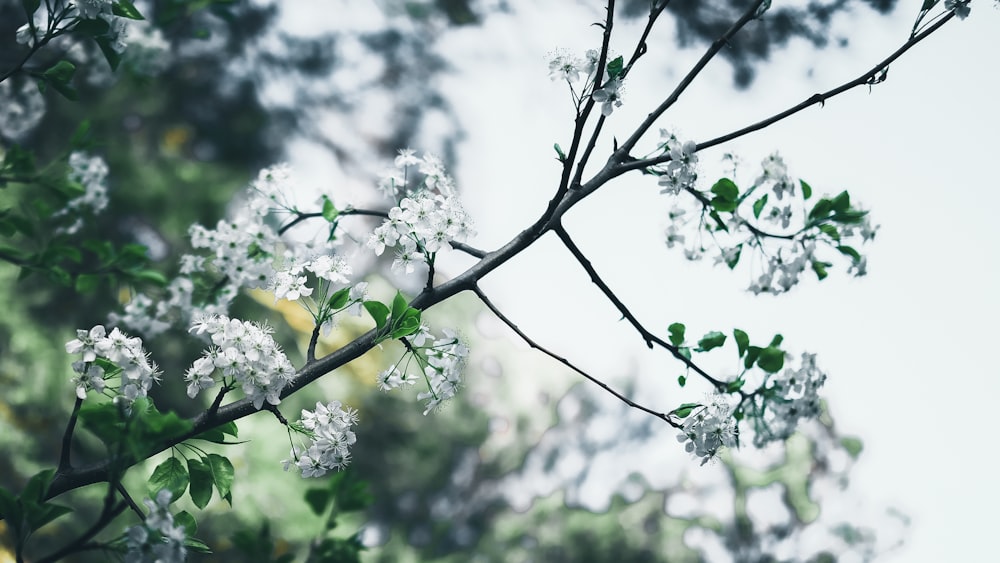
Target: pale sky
907,348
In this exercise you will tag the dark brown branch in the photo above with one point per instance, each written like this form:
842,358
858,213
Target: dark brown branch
489,304
646,335
864,79
716,46
313,340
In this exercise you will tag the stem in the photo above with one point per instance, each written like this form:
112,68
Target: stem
67,439
489,304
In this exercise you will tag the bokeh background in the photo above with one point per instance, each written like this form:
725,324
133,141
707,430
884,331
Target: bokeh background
529,463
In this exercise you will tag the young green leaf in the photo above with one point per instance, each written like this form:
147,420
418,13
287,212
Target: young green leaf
771,359
201,482
777,340
726,190
758,206
330,211
676,331
398,307
185,519
736,385
125,9
681,380
378,311
742,340
753,352
820,268
170,475
711,340
339,299
850,251
615,67
807,190
684,410
222,474
318,500
559,151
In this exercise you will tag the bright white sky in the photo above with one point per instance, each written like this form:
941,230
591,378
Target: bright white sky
907,349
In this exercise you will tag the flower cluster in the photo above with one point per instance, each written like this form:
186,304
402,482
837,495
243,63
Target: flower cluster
290,283
329,427
243,354
91,174
158,539
440,360
709,429
680,173
103,9
122,356
426,220
793,395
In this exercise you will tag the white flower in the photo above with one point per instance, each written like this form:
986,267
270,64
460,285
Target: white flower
329,450
609,97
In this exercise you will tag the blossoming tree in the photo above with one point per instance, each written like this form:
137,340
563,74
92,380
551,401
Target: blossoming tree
265,243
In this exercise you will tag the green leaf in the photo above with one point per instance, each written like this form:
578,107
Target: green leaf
104,420
684,351
150,276
771,359
9,509
777,340
170,475
559,151
196,545
80,135
758,206
821,209
676,331
684,410
720,225
38,486
408,324
807,190
378,311
711,340
724,205
841,203
742,340
849,251
339,299
222,474
726,190
318,500
330,212
734,259
184,518
87,283
62,71
615,67
852,445
125,9
43,513
218,435
398,307
681,380
736,385
113,57
820,268
830,230
201,482
753,352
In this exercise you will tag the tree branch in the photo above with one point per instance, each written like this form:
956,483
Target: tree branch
646,335
489,304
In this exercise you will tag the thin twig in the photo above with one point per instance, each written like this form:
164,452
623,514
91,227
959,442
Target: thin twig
716,46
646,335
821,99
313,339
489,304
